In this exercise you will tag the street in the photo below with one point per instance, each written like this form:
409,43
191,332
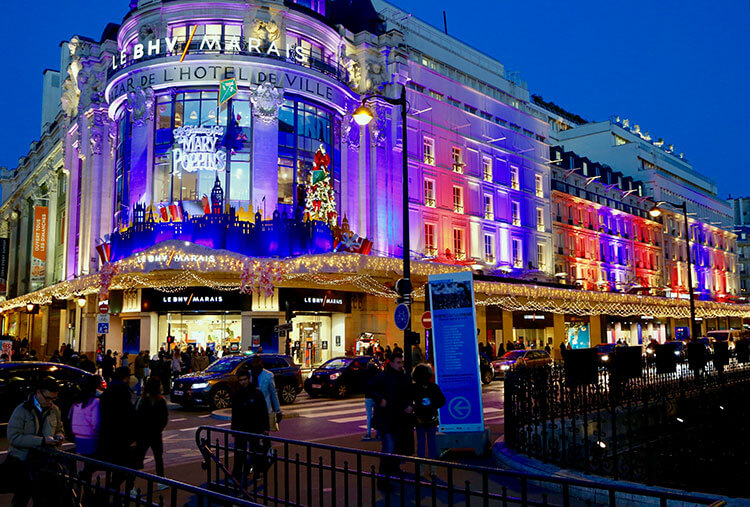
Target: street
324,420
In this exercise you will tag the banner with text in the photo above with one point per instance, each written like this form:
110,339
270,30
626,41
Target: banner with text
39,250
4,252
456,351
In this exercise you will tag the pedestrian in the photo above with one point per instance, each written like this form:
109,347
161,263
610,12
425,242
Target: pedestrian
186,363
372,370
3,358
500,349
397,349
108,366
263,380
249,415
510,346
428,398
481,349
125,360
176,364
117,434
34,424
563,351
139,370
86,364
152,417
84,417
55,357
32,355
392,391
67,353
388,352
416,355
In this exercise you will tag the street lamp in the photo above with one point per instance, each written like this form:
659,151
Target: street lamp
363,116
655,212
81,301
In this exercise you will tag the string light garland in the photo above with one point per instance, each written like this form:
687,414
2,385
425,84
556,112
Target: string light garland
174,266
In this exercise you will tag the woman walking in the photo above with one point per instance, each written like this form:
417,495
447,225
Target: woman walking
152,416
84,417
428,398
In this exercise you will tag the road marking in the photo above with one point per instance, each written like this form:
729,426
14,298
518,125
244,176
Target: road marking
204,416
179,419
494,418
327,404
188,429
490,410
337,412
223,424
349,419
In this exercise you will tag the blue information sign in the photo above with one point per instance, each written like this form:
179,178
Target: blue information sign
102,328
401,316
456,351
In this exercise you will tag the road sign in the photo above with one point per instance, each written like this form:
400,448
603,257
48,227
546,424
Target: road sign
104,308
427,320
227,90
401,316
102,318
102,328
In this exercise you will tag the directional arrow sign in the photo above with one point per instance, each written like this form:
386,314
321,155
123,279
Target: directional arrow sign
227,90
459,407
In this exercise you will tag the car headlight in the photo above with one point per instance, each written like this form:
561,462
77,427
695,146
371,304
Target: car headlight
605,357
677,352
334,376
199,385
505,367
649,351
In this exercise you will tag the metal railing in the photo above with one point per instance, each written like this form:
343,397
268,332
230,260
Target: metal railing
66,479
291,472
636,420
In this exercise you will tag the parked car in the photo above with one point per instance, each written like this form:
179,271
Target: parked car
342,376
215,385
678,349
17,381
486,373
604,352
520,358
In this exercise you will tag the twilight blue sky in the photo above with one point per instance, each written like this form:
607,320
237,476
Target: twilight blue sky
679,69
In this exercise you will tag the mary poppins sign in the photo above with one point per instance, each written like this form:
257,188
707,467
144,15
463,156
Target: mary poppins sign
198,149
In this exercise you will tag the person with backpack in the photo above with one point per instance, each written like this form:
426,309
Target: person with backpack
428,398
152,417
84,417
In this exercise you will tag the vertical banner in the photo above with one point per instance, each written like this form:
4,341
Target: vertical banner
456,351
39,250
4,242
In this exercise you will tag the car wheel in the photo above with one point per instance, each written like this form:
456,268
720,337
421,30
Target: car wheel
221,398
341,390
487,376
287,394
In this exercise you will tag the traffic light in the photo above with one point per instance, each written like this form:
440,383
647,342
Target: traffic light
414,338
170,340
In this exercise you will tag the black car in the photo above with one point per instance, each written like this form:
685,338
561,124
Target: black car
214,386
17,381
342,376
604,352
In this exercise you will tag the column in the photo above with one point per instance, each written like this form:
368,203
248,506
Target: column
247,330
558,321
265,161
595,330
52,227
507,334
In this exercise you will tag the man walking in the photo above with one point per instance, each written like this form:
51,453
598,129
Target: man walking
392,391
35,423
249,415
263,380
118,431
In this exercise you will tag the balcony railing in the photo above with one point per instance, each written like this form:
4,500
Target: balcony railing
429,160
458,167
460,255
540,227
516,221
458,208
430,251
487,176
489,215
489,259
429,202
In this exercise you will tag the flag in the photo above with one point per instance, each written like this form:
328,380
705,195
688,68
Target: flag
164,213
175,212
206,205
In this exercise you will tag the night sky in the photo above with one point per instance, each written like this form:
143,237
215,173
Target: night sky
679,69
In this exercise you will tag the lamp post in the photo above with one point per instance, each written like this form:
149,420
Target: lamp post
655,212
363,116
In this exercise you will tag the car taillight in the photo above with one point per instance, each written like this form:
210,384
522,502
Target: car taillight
102,385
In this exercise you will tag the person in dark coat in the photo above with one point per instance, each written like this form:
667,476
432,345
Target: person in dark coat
87,365
108,366
152,417
428,398
249,415
500,350
117,436
392,391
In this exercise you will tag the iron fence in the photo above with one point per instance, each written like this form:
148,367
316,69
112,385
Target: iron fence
681,428
290,472
66,479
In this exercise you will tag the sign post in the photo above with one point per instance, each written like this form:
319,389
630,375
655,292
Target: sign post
456,353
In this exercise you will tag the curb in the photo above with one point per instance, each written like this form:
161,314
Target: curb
506,458
224,414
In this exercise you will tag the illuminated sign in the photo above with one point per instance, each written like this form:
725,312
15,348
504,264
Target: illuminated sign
39,253
197,299
198,149
311,300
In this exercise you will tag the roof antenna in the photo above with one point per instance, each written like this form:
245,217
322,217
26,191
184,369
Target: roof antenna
445,23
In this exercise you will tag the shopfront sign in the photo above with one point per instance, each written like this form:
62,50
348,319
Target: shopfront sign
197,299
199,149
245,73
3,265
456,352
39,250
524,320
311,300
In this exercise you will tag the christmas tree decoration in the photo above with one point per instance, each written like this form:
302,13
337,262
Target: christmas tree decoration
320,200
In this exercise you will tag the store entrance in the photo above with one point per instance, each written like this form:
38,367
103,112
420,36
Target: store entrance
202,330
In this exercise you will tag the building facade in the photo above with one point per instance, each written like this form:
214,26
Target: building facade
741,209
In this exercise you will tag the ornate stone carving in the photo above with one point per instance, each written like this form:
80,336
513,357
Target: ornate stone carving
266,100
141,105
71,94
350,131
96,138
146,33
379,126
266,31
